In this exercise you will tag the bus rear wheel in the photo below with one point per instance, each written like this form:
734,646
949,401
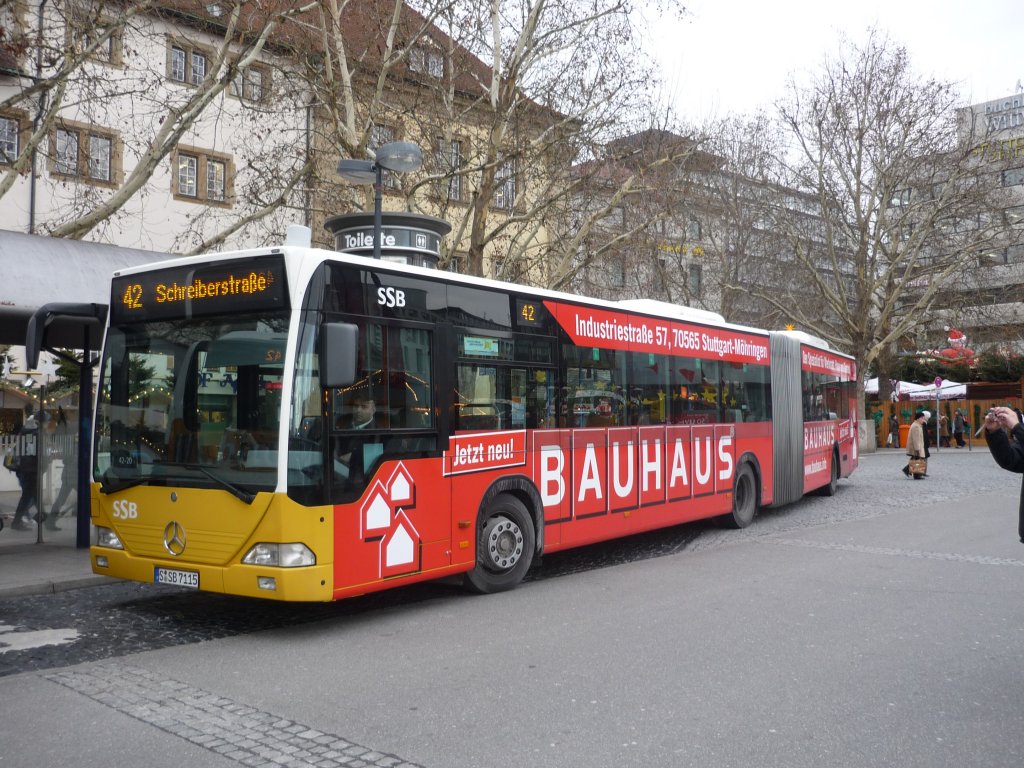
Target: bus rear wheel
744,499
505,544
833,483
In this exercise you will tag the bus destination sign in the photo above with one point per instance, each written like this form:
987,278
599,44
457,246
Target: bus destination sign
242,285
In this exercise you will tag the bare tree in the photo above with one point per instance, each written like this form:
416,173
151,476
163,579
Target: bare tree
733,198
507,97
877,147
627,222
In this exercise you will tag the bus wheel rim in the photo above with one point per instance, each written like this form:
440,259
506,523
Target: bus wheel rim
503,543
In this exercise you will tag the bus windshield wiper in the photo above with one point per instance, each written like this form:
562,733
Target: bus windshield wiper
247,496
115,484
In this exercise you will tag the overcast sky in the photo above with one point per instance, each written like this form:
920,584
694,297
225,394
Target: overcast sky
733,55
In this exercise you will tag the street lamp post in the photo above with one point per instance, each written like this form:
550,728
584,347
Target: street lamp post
399,156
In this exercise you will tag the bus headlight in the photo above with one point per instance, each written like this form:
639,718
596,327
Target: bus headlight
280,555
105,537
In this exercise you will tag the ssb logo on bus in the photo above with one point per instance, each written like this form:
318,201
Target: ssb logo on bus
391,297
125,510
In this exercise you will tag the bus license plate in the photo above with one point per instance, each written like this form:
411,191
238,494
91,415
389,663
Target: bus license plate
176,578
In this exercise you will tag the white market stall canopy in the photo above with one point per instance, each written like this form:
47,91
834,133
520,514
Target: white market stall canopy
949,390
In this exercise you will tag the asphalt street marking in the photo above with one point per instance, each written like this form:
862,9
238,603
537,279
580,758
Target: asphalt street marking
12,640
978,559
232,730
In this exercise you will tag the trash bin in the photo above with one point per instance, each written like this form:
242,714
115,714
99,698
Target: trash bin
904,435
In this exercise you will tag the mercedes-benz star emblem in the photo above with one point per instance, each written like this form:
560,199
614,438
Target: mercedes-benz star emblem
174,538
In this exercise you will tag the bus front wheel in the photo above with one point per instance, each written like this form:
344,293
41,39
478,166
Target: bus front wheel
505,544
744,499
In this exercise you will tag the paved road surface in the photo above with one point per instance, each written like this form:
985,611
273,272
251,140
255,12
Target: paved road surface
881,627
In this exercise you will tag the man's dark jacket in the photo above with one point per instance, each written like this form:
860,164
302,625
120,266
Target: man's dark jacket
1008,451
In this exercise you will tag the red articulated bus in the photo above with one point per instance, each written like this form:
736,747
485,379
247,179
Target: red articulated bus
298,424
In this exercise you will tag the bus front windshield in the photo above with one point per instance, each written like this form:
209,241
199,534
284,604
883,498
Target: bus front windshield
192,403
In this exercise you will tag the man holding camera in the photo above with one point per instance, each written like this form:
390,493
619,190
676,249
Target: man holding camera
1004,434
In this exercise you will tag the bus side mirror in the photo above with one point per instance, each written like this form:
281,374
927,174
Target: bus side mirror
338,345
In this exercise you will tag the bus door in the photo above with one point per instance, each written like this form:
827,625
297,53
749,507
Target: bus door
382,444
504,389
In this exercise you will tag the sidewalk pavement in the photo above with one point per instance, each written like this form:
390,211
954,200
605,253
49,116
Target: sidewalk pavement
30,568
35,569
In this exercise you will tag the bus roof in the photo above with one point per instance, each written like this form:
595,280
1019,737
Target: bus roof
309,258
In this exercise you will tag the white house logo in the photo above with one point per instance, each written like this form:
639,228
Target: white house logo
383,519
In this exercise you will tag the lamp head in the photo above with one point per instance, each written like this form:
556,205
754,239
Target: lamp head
357,171
401,156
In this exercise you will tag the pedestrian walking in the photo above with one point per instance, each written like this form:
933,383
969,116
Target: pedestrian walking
893,440
926,428
943,430
25,464
61,447
917,465
959,425
1004,434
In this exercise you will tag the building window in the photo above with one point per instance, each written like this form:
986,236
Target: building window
693,282
100,152
449,161
251,84
427,60
198,67
505,186
10,139
85,153
1013,177
85,32
178,59
618,275
187,64
202,176
380,135
216,174
188,175
457,261
254,84
693,230
993,258
67,152
901,198
966,224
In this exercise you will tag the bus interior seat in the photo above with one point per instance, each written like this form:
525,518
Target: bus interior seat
184,443
311,428
479,422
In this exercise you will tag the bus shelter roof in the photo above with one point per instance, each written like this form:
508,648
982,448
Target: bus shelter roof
41,270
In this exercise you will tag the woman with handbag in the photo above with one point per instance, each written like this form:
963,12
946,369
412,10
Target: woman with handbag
917,467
